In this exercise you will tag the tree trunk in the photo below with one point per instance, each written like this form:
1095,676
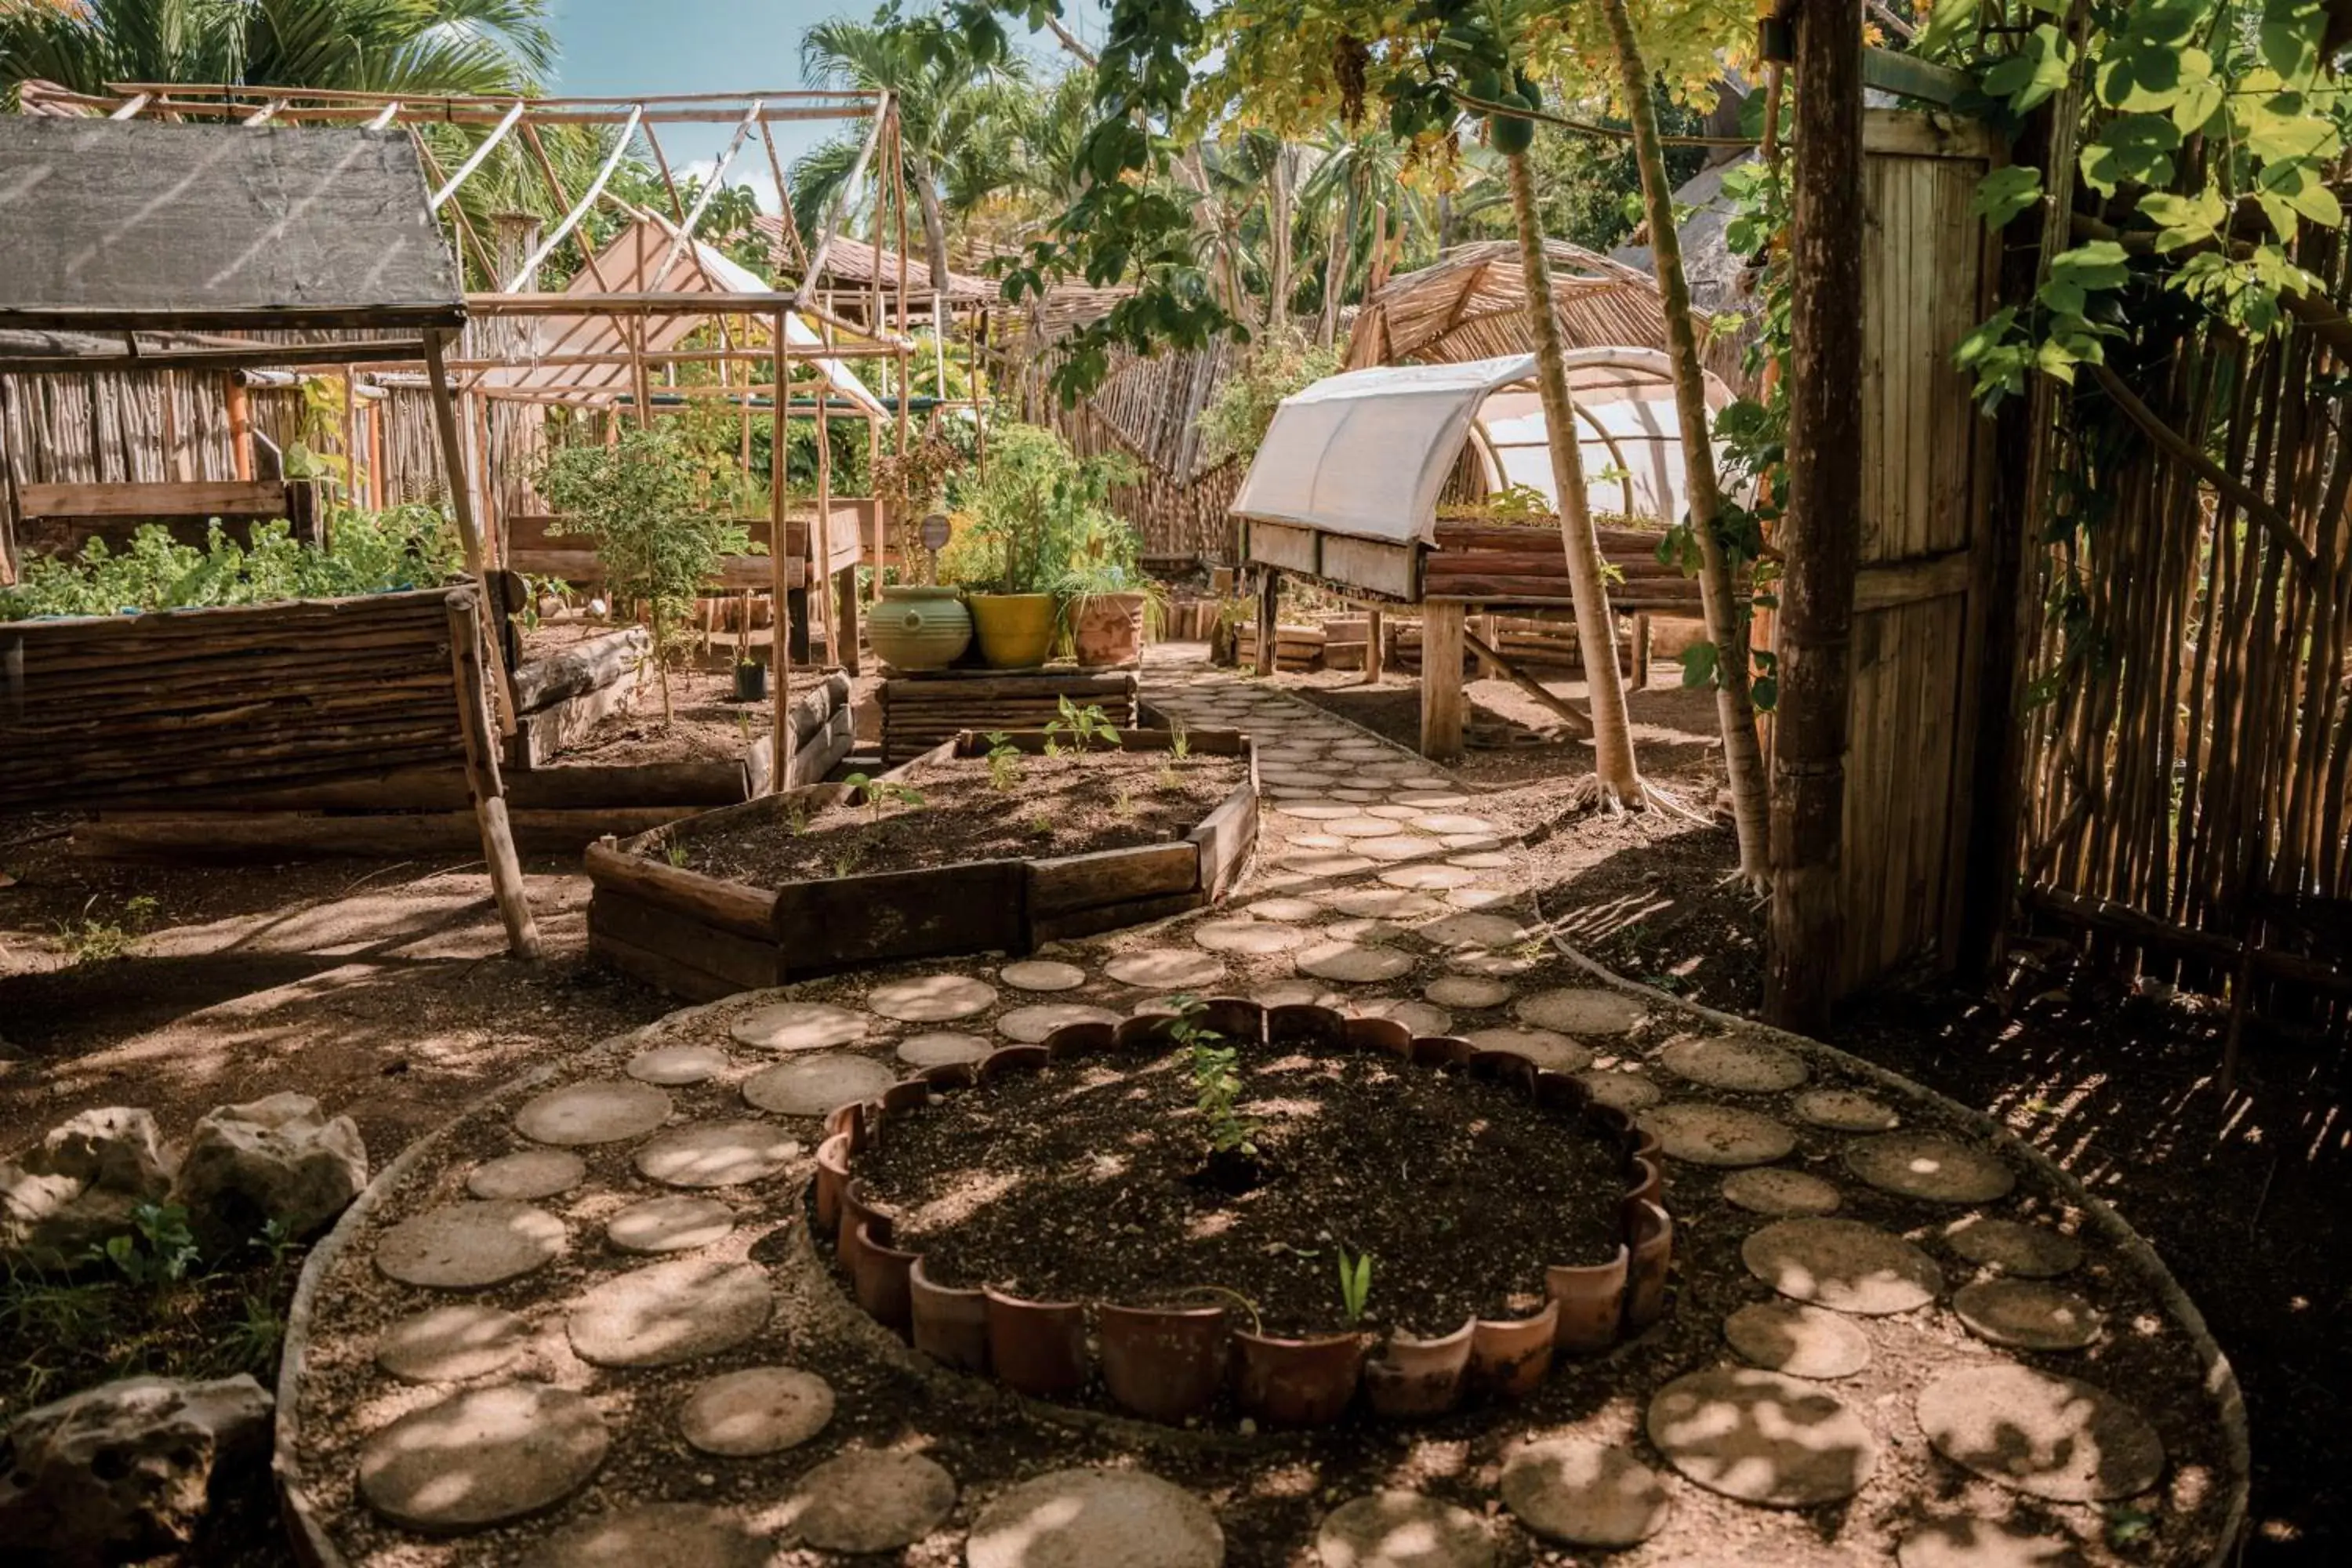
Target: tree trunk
1735,709
1336,257
1612,730
1821,536
935,223
1277,213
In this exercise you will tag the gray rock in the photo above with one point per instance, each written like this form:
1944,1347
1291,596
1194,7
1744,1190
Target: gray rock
275,1159
78,1186
124,1471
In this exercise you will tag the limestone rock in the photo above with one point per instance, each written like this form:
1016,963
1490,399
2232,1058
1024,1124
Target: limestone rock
124,1471
78,1186
280,1159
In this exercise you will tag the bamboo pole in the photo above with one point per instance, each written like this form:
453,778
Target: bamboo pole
444,424
780,657
469,624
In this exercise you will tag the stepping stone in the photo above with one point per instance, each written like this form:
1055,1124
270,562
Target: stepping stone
1166,969
717,1154
1288,910
1802,1341
2051,1436
1494,966
672,1066
932,998
1042,975
658,1535
1450,823
1364,929
2026,1314
1298,994
1418,1017
1473,843
1094,1519
1930,1167
1324,862
482,1457
669,1225
1968,1542
1360,796
1320,809
2025,1252
532,1174
1480,898
1423,800
1327,841
670,1312
942,1047
800,1026
1434,782
1251,939
1354,963
1475,931
1427,878
598,1112
1719,1135
1480,860
450,1344
1394,812
1470,991
1545,1047
1584,1493
867,1500
1762,1438
1844,1265
1360,827
761,1410
1582,1010
1767,1190
811,1086
1403,847
1402,1529
1031,1025
1844,1111
470,1246
1628,1091
1384,903
1728,1062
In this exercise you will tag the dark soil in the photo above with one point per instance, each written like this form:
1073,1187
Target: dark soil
707,724
1069,804
1093,1181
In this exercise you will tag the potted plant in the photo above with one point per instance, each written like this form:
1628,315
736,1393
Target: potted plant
917,625
1036,512
1106,601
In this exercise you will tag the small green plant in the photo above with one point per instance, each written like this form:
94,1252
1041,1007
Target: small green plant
96,938
1003,762
846,861
876,794
1123,803
1041,824
1216,1081
675,853
1179,741
1355,1284
1088,726
158,1251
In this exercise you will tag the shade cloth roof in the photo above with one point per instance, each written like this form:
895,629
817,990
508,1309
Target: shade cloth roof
132,226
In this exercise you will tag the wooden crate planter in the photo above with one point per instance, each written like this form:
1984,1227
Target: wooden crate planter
920,711
704,937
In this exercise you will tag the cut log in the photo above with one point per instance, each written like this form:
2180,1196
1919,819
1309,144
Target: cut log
575,671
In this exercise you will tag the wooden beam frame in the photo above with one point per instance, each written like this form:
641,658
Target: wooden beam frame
476,158
579,208
461,506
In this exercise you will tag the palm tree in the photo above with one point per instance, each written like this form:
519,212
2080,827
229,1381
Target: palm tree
1360,176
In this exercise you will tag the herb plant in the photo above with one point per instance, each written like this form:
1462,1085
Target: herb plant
1355,1284
877,793
1216,1082
1003,762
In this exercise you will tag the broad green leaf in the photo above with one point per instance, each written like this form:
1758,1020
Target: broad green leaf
2100,264
2135,149
2062,299
2284,125
2144,76
2182,220
1948,21
2005,193
2290,36
1698,664
2037,69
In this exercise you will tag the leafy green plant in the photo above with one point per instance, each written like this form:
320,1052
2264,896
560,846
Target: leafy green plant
1279,363
157,1251
95,938
1355,1284
1003,762
675,853
1040,519
1216,1081
878,792
1088,726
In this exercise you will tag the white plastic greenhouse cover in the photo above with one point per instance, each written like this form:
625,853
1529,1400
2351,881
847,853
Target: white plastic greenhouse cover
1367,453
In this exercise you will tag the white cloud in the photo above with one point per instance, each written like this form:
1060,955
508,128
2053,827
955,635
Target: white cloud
750,168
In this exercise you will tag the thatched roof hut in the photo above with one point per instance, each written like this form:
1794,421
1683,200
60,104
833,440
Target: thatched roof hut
1471,304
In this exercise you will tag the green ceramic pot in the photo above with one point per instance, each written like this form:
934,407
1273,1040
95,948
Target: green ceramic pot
915,627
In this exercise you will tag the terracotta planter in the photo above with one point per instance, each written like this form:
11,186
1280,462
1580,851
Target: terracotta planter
1240,1020
1441,1051
1008,1060
1379,1035
1506,1066
1645,1181
1592,1304
1015,630
1509,1356
857,1208
832,1176
1305,1022
1037,1347
849,1121
1653,1251
1149,1028
948,1077
1107,628
877,1276
1562,1091
1077,1039
1414,1377
1298,1383
916,628
951,1325
908,1094
1164,1362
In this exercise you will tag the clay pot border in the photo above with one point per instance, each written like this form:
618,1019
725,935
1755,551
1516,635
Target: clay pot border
1169,1360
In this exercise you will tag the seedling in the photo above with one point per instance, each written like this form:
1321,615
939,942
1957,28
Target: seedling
1179,741
1355,1284
675,853
1004,761
1088,726
160,1251
876,794
1123,803
92,939
1041,824
1216,1082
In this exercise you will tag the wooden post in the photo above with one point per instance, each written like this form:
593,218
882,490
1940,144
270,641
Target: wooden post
1442,626
780,653
1641,650
1375,652
1487,634
483,781
240,426
1822,534
1269,606
461,505
820,577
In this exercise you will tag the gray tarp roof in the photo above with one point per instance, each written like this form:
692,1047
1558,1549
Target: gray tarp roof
133,225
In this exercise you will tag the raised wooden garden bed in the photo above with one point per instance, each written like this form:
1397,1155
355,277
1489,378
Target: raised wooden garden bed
703,937
920,711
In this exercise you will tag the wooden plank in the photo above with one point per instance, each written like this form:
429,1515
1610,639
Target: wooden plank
730,906
1369,564
240,836
186,497
845,921
750,963
1113,917
1889,584
539,737
1225,837
662,972
584,667
1281,544
1068,882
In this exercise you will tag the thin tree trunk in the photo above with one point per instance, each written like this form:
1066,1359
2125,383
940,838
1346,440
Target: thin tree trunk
935,223
1743,755
1336,257
1278,205
1821,536
1612,730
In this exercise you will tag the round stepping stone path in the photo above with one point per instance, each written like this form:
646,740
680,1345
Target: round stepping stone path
1042,975
1353,963
1448,822
1480,860
867,1500
1383,903
1971,1542
482,1457
658,1535
673,1066
470,1245
1762,1438
1727,1062
1584,1493
1251,939
604,1111
943,1047
1394,812
1473,931
1844,1265
1030,1025
2050,1437
670,1312
1362,827
670,1224
450,1344
800,1026
1402,1529
1554,1052
1479,897
761,1410
1400,847
1582,1010
1798,1339
1628,1091
813,1085
1844,1110
1092,1519
1297,993
1930,1167
931,998
1426,800
1320,809
1166,969
2026,1314
1288,910
1426,877
717,1154
1362,929
532,1174
1418,1017
1767,1189
1721,1135
2024,1251
1470,991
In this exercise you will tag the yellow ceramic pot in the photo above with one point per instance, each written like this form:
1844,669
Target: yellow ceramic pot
1015,630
